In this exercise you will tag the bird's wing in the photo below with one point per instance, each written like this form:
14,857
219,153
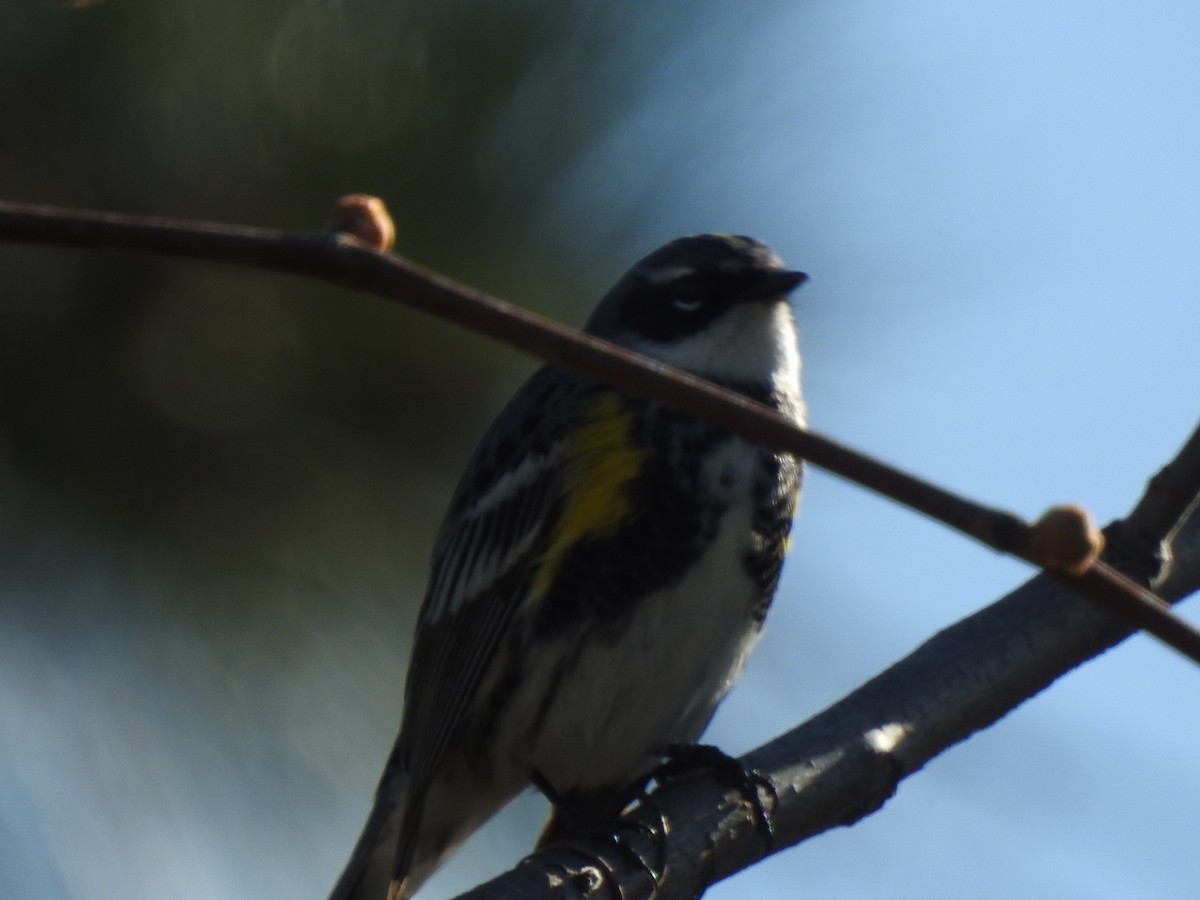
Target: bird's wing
484,563
485,560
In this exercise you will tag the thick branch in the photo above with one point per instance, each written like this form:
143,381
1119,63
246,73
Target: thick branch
848,761
1171,495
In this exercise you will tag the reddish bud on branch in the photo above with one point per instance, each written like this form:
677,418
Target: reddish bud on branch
1065,541
365,218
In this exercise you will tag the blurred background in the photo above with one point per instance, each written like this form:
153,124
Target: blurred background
218,488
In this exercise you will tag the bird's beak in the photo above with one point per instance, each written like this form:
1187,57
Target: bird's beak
775,284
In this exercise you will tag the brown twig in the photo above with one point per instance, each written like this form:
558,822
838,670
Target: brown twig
344,260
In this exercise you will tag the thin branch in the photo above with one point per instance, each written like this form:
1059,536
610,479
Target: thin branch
345,261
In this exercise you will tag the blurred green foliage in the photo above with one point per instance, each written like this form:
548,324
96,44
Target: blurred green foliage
130,384
218,487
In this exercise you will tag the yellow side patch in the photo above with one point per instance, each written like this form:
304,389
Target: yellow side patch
602,458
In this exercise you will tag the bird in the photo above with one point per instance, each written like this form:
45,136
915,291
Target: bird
602,573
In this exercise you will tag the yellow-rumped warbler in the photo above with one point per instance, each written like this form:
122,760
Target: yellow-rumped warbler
602,574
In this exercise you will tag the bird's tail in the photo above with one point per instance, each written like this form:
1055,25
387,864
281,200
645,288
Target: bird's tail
369,872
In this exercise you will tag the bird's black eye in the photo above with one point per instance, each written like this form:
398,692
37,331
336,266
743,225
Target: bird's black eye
686,304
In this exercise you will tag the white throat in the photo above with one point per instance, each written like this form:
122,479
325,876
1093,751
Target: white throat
753,343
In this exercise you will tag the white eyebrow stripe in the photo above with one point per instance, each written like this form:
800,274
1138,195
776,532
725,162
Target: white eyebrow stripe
665,274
